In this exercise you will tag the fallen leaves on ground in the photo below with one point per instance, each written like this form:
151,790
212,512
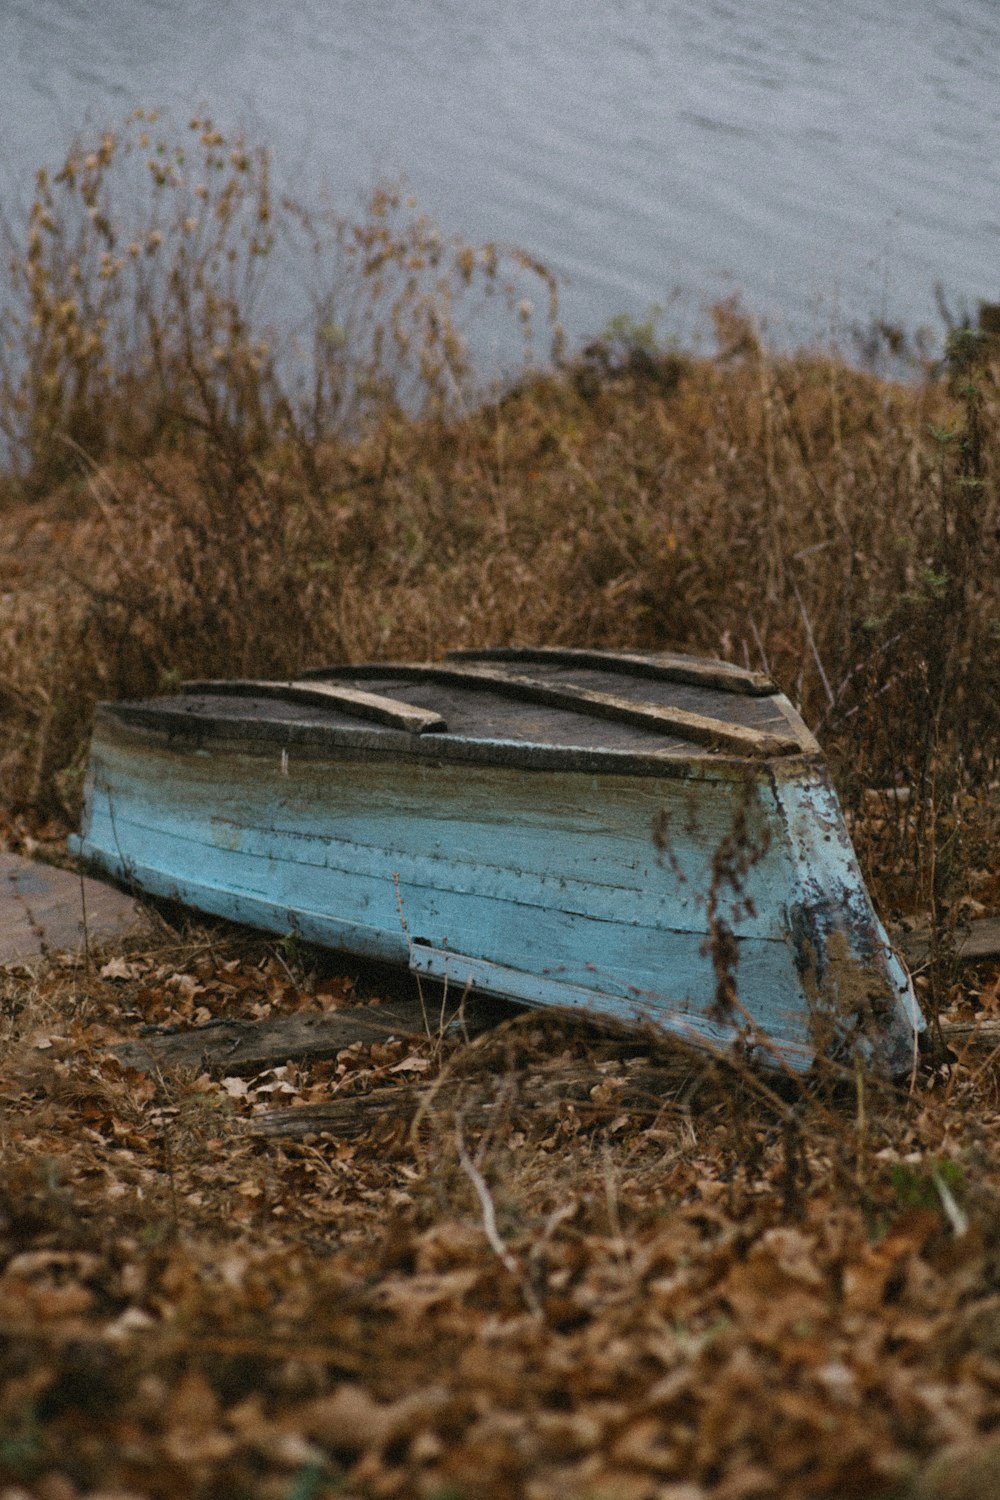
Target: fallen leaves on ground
550,1263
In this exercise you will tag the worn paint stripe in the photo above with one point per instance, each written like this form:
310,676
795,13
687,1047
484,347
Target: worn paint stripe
457,969
577,842
262,857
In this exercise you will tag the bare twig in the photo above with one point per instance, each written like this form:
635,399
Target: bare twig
812,645
503,1254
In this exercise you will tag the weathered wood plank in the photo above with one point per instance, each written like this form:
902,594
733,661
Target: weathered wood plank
344,1118
699,729
44,910
974,942
640,1089
233,1046
660,666
372,706
984,1032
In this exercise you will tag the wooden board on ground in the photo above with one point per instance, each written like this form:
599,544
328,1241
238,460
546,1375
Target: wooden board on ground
637,1088
983,1031
248,1046
974,942
44,911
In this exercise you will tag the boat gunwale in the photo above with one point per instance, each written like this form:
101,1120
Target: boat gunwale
166,722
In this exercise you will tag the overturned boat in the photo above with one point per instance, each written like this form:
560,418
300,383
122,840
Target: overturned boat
652,837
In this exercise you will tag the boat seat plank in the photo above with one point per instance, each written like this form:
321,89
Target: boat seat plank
699,729
772,714
661,666
374,707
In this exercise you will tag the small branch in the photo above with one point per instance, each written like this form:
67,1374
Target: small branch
831,700
486,1202
503,1254
956,1218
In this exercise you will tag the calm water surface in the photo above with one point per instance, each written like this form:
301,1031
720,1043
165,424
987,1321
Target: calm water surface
831,162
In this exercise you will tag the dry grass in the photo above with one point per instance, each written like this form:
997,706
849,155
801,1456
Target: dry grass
213,501
136,294
785,511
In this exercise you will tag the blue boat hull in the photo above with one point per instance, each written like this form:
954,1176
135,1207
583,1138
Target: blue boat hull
720,902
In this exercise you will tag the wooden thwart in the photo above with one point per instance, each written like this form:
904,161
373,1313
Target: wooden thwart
360,705
661,666
698,729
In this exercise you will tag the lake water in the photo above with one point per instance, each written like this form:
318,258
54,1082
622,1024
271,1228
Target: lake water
830,163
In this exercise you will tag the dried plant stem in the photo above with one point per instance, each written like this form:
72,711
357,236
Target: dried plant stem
489,1216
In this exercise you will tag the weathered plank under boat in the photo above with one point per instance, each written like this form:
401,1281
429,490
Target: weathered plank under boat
653,837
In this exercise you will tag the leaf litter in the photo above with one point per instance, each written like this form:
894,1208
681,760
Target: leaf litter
551,1262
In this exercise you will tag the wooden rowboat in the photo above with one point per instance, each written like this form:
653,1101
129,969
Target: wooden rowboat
653,837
